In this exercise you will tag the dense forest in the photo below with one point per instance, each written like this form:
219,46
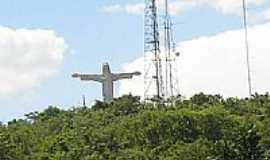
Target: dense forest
204,127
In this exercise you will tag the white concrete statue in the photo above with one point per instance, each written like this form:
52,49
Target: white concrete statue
106,78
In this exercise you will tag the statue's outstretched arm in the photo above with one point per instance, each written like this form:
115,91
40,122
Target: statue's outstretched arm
89,77
119,76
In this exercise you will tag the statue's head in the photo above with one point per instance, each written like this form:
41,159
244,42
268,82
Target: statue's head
106,68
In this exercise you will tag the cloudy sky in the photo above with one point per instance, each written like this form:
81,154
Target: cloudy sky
43,42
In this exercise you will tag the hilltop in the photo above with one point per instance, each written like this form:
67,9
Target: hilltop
204,127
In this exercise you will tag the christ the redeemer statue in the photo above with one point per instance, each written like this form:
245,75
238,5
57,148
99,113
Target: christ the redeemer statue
106,78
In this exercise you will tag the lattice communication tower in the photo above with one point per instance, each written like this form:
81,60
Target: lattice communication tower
159,65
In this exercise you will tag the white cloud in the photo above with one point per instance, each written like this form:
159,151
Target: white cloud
228,6
133,9
231,7
27,58
216,64
260,17
113,9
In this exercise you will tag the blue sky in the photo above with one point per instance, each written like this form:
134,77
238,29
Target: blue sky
94,36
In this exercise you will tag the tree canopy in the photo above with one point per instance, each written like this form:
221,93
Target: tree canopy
204,127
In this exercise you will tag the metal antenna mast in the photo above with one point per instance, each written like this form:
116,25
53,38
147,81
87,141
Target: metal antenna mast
84,101
247,47
168,47
171,78
152,48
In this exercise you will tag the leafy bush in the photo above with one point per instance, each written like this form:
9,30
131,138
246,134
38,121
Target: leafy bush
204,127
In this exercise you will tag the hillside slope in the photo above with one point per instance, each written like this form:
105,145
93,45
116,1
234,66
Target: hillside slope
205,127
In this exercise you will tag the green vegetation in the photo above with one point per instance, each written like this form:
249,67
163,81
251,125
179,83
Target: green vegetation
205,127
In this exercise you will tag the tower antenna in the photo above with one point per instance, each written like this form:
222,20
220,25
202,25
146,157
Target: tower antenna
155,60
247,47
84,101
152,59
169,45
